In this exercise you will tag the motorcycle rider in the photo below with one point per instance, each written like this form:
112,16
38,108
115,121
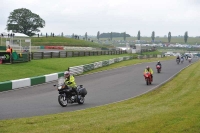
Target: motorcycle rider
178,58
186,56
182,58
148,69
70,81
158,63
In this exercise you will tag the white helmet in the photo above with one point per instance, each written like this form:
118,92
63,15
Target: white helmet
66,73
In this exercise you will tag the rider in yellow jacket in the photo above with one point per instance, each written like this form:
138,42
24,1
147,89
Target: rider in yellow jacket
70,81
148,69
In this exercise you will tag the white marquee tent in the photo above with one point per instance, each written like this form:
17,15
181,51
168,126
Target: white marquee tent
16,34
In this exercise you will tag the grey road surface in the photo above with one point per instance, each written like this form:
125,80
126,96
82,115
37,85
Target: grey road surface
103,88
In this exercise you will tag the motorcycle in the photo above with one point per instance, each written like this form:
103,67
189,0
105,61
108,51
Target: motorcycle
68,95
186,58
158,67
147,76
177,61
182,60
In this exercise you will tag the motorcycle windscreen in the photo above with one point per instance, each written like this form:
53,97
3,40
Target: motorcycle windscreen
61,81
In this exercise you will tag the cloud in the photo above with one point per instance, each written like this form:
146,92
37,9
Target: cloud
91,16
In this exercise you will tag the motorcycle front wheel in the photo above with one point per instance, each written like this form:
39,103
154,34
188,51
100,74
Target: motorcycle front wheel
158,70
62,100
147,81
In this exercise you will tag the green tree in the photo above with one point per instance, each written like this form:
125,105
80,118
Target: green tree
98,33
186,37
138,35
114,34
169,37
86,36
153,36
24,21
111,36
124,36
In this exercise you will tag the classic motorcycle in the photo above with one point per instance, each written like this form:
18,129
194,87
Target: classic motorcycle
68,95
147,76
158,67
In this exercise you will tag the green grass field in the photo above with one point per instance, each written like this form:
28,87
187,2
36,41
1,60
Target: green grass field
62,41
46,66
59,41
172,108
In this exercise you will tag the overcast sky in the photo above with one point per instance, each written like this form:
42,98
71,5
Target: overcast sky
130,16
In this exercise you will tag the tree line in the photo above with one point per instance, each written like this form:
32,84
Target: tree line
169,36
124,35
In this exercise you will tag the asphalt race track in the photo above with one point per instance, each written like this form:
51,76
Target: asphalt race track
103,88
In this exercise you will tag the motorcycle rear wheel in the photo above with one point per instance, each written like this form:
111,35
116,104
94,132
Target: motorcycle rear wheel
81,100
62,101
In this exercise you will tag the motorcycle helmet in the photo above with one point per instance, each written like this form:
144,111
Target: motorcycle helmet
66,73
147,67
158,61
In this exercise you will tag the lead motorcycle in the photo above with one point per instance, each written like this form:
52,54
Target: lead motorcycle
148,79
67,95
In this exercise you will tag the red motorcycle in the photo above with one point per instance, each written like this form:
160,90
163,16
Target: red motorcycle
158,67
147,76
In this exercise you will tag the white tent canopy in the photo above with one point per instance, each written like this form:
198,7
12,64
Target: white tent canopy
16,34
20,35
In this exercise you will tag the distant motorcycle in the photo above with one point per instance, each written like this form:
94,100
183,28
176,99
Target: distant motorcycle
148,79
67,95
177,61
186,57
182,60
158,67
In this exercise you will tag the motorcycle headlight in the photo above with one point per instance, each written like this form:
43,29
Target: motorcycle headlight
59,87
